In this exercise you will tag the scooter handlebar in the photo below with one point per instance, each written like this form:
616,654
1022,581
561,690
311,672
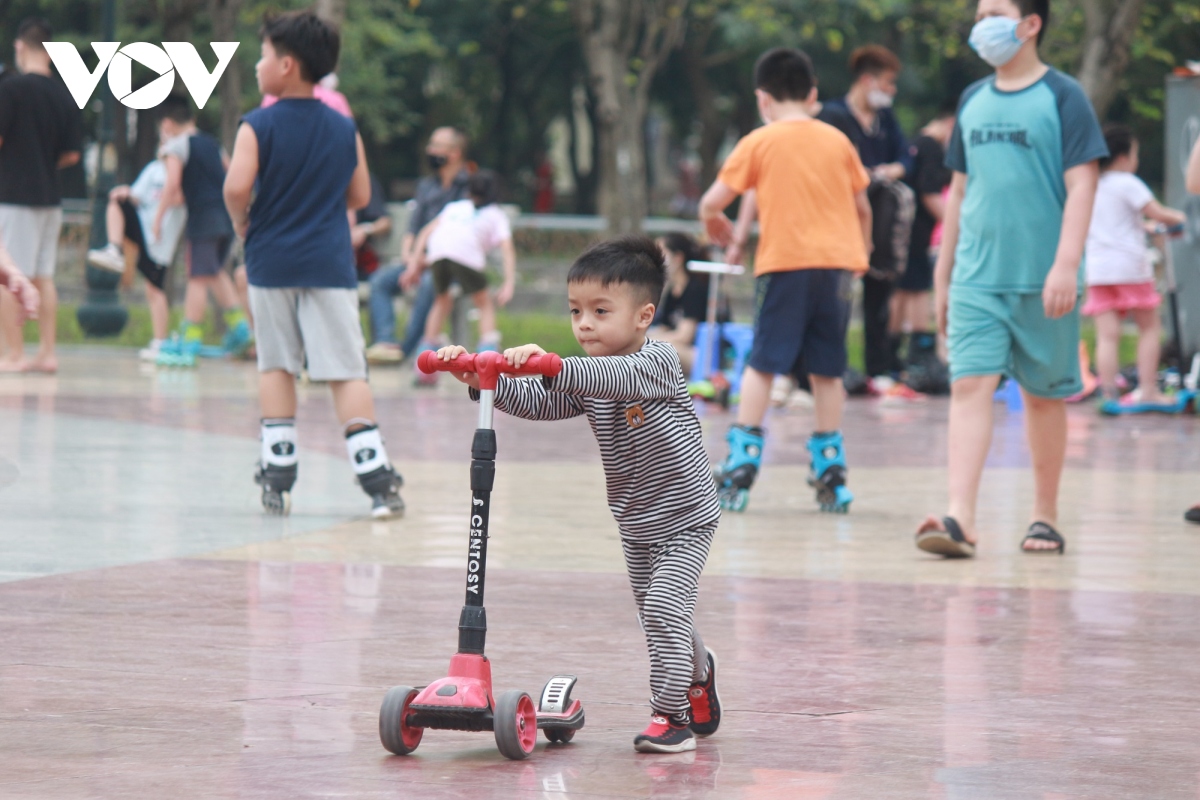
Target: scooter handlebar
490,365
428,362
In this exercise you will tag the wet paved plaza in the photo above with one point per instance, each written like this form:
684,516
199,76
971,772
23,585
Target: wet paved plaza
162,638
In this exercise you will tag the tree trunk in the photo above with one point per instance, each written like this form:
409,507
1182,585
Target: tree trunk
712,122
224,21
331,11
1109,29
624,43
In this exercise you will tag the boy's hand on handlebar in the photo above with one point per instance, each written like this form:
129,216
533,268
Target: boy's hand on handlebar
451,352
517,356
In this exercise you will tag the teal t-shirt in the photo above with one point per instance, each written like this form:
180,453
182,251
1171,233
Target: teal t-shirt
1014,148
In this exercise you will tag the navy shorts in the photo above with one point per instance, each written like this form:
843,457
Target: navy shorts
919,275
206,256
800,322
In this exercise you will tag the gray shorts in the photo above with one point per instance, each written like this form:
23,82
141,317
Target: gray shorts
30,235
320,328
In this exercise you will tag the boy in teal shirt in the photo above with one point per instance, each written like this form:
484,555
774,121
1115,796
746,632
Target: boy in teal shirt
1024,155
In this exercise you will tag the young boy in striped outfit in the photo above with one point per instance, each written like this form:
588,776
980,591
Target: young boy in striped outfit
633,392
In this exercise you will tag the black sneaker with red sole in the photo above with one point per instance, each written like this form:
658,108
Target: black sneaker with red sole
665,735
706,705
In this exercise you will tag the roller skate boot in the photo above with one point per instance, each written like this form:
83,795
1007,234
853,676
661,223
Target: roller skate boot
828,472
276,483
736,474
237,339
490,343
383,487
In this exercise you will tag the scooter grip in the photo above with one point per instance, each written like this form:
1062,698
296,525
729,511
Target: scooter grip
428,362
547,365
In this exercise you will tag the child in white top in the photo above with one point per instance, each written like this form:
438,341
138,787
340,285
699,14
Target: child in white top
456,244
1120,276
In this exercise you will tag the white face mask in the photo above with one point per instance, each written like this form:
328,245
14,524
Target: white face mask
878,99
995,40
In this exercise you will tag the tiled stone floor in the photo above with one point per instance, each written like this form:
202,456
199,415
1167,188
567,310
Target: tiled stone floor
160,638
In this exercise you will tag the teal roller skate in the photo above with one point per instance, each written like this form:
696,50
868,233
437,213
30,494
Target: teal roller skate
178,351
828,475
736,474
237,339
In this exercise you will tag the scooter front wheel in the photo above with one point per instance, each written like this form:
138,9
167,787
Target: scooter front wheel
515,723
394,731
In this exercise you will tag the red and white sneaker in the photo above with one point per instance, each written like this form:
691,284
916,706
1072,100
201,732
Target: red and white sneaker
706,705
900,394
665,735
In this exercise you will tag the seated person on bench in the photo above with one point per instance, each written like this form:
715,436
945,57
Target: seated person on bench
685,302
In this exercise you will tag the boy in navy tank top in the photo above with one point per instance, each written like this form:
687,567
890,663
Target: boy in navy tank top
195,175
305,166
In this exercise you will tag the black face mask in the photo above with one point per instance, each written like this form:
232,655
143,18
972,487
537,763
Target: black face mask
435,161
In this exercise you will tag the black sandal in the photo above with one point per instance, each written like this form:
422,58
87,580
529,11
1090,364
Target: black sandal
1192,514
948,542
1040,531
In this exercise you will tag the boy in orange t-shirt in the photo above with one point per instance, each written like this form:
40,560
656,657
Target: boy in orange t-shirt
815,234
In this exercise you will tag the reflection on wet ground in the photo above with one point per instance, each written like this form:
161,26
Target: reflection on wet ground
161,638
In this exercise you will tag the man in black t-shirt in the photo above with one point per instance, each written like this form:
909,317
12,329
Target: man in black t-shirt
40,133
911,312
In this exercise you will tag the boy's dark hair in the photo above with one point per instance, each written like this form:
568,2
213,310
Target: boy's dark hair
484,188
1120,141
1039,7
873,59
785,73
305,37
636,261
33,31
177,109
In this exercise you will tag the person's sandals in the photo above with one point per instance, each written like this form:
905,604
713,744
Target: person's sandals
948,541
1041,532
1192,514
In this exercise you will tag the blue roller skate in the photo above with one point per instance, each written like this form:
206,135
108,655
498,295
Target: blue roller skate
179,351
237,338
736,474
828,475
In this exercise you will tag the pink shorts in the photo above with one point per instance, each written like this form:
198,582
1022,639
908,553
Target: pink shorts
1121,297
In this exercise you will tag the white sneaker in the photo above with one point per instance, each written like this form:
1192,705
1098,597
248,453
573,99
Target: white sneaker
150,351
108,257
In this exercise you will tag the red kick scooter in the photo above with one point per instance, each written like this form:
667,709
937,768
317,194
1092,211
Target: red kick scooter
463,700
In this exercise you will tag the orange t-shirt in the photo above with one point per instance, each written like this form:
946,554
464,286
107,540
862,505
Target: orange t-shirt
807,174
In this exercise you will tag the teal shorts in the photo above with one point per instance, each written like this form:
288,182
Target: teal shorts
1008,334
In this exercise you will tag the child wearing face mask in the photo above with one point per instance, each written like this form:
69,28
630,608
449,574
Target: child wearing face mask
1024,155
633,392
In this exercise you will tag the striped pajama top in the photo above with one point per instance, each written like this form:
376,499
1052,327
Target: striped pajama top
659,480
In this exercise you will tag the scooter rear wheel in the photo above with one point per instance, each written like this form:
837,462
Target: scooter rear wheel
515,725
559,735
395,733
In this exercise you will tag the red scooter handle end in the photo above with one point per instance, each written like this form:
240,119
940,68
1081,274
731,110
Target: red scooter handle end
547,365
428,362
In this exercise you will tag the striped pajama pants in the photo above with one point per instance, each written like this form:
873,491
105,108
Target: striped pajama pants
665,576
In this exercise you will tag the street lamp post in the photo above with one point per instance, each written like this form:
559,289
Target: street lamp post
101,313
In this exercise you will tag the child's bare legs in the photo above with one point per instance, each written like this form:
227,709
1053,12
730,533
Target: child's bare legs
829,398
114,222
11,332
242,284
1108,341
970,438
156,299
46,361
195,300
1148,353
438,316
487,314
277,397
756,394
1046,429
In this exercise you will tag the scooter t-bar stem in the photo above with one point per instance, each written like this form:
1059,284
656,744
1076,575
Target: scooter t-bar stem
472,622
